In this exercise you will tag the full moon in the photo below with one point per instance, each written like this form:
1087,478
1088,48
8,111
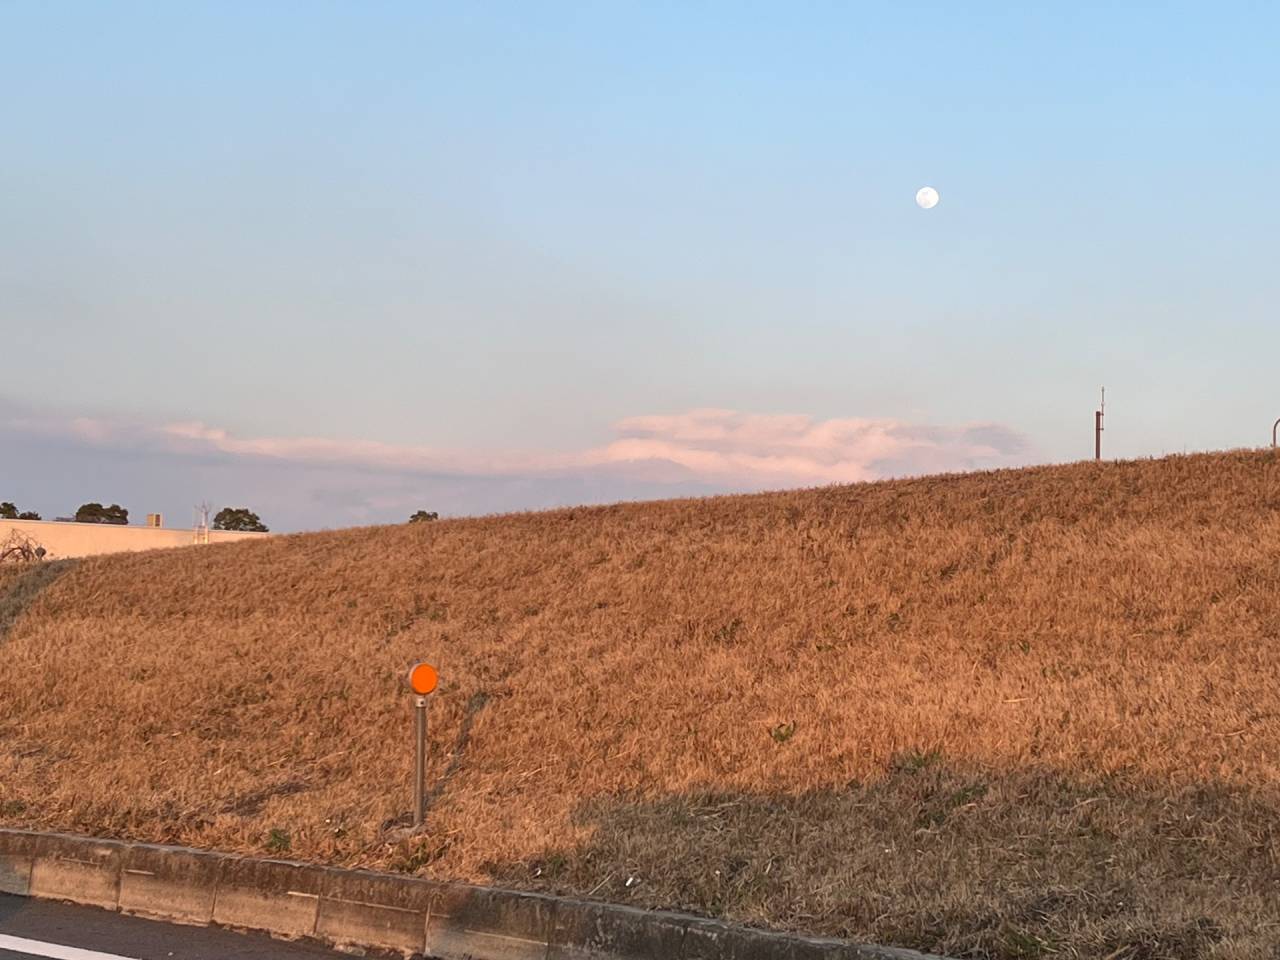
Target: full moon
927,198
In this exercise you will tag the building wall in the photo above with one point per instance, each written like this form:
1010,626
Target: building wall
63,540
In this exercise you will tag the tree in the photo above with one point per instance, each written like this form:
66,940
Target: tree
8,511
422,516
97,513
28,515
239,518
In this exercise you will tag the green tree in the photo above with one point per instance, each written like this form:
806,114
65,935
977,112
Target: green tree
8,511
97,513
28,515
239,518
422,516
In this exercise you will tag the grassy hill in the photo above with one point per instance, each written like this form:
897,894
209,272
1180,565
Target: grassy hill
1013,714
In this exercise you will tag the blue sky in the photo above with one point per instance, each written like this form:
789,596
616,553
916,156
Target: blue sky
479,257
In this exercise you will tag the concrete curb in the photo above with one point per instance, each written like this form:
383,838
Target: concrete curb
359,908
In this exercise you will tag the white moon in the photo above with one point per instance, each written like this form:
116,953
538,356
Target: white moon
927,198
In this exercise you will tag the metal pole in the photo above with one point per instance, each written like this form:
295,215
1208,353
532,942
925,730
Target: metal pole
1274,428
1097,426
420,761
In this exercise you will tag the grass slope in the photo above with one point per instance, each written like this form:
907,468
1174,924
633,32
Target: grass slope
1013,714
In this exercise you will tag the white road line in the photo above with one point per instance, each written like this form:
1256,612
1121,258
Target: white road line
38,948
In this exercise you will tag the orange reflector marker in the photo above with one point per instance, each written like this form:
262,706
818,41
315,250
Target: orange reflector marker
423,678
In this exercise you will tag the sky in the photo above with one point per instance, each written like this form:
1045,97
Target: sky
336,262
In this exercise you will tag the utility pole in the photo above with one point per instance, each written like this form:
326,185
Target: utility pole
1097,426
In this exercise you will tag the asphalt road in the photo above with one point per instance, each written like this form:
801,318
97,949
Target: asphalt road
38,928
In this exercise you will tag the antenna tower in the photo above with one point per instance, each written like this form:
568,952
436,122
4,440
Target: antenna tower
201,532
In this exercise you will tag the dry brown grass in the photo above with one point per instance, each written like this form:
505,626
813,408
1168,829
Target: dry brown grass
1015,714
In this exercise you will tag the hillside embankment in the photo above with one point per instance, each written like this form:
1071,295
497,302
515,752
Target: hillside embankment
1015,714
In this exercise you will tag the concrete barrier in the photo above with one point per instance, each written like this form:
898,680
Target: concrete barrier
273,895
362,908
470,922
359,908
15,874
75,868
602,931
168,883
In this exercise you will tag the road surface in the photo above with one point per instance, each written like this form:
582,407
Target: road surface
59,931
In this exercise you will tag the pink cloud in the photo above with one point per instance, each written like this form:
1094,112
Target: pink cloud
724,448
761,450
